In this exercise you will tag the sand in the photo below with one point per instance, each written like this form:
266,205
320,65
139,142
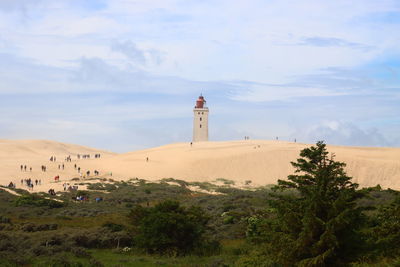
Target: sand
260,161
35,153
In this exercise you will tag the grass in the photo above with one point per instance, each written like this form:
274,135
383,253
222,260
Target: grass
132,259
90,219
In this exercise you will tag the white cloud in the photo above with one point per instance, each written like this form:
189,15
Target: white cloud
341,133
247,41
136,55
293,62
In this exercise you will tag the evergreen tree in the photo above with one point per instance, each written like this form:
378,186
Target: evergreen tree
386,234
315,219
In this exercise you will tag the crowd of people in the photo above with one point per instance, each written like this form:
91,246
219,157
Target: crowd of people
52,192
25,168
83,198
69,187
31,183
85,156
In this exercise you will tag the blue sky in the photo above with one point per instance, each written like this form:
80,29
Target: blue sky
124,75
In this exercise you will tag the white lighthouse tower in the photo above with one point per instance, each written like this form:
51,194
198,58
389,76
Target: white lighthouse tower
200,120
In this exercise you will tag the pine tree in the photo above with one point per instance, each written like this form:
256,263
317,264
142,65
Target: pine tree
386,234
316,218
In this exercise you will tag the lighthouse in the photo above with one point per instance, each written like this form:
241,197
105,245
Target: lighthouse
200,120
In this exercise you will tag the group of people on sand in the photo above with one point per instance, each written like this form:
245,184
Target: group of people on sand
95,173
52,192
24,168
85,156
30,183
69,187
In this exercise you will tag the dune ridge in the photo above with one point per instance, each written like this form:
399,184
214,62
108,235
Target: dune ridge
261,161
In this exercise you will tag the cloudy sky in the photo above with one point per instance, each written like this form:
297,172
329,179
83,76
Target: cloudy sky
124,74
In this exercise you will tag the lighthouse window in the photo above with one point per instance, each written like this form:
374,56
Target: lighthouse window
200,118
199,113
200,125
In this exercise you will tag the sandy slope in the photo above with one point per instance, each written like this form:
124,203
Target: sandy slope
262,162
35,153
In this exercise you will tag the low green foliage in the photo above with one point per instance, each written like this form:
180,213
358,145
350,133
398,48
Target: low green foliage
319,223
102,186
316,218
225,181
386,232
169,228
37,201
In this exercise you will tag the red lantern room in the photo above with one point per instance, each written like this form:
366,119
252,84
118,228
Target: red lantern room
200,103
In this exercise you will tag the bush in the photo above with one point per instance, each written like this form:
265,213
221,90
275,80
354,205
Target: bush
101,186
31,227
386,234
62,260
37,201
4,219
113,227
80,252
100,238
169,228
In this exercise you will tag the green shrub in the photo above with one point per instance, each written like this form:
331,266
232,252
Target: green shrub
31,227
37,201
61,260
5,219
113,227
229,219
80,252
169,228
101,186
225,181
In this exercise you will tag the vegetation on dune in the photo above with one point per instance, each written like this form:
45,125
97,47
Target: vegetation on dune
38,201
317,217
168,228
318,222
386,232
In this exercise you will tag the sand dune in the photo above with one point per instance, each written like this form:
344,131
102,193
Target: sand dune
262,162
34,154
